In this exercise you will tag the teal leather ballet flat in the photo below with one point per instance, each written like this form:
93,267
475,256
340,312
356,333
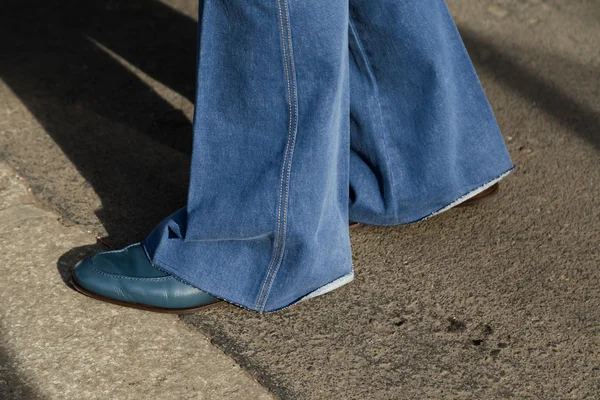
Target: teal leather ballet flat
127,277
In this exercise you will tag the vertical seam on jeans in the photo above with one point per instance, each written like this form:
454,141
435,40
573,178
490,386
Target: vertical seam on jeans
294,106
363,54
278,237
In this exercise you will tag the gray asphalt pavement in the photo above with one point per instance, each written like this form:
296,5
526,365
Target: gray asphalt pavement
498,301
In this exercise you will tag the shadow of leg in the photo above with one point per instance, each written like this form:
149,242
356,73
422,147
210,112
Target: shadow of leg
116,130
566,110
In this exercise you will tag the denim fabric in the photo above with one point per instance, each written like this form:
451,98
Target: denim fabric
422,133
308,114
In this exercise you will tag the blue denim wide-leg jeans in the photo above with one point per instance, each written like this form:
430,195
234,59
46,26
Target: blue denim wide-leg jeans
311,113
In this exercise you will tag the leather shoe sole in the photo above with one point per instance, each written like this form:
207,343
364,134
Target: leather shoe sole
485,195
143,306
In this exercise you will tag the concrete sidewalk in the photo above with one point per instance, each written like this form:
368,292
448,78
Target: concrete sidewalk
58,344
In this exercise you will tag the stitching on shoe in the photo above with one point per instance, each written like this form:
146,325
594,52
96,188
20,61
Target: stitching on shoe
120,250
98,270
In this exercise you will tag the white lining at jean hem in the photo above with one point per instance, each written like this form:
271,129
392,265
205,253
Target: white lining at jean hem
329,287
469,195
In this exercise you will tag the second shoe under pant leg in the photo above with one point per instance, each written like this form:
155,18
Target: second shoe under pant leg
266,222
423,135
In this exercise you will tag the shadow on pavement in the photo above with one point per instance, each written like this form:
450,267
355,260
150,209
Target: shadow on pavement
12,385
566,110
50,60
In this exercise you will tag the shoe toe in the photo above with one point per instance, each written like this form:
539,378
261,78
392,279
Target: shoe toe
84,274
133,279
91,279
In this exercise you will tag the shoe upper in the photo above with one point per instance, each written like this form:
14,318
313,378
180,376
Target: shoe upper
128,275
